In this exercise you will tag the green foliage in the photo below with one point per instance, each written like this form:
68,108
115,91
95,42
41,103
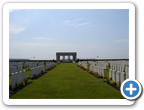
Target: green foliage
118,87
100,76
112,82
90,71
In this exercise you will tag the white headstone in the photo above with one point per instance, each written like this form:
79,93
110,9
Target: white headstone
13,83
21,76
122,77
113,75
127,75
17,78
24,74
27,67
110,73
32,73
115,67
103,72
118,77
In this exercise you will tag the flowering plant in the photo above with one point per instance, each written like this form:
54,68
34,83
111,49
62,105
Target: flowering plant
82,67
35,75
124,70
110,78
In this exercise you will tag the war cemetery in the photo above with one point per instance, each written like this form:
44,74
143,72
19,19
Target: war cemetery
67,79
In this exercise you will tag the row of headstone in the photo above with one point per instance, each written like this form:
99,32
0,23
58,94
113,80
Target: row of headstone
15,63
91,63
14,69
118,76
99,70
124,62
53,63
17,78
85,65
40,63
33,64
121,68
36,71
79,63
48,65
82,62
102,64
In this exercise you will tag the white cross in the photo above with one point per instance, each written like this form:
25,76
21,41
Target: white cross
131,89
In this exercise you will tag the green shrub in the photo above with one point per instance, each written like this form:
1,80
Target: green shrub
112,82
118,87
100,76
90,71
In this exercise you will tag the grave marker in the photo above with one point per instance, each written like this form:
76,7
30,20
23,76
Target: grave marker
17,78
122,77
110,73
113,75
118,77
13,83
24,75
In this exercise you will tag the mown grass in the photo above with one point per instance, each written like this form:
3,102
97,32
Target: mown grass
67,81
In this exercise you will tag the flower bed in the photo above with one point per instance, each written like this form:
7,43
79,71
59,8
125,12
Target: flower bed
22,85
38,76
112,83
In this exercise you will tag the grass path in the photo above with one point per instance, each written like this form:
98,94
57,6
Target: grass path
67,81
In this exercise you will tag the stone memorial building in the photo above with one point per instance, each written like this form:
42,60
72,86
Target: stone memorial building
58,54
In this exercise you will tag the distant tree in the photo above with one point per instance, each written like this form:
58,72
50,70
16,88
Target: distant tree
78,60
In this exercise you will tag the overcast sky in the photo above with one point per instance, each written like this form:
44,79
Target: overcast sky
89,32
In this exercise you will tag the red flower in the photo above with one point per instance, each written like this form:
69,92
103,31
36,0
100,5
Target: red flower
110,78
107,79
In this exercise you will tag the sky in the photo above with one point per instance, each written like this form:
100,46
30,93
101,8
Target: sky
40,33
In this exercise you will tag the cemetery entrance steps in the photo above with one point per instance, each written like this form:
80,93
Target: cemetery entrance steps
67,81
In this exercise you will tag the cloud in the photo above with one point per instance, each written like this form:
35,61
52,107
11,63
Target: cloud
75,22
14,29
67,21
12,10
44,38
79,19
121,41
83,24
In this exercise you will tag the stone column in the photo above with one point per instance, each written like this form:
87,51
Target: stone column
75,57
57,58
63,58
68,58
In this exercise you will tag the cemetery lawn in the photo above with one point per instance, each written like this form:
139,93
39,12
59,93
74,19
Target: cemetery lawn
68,81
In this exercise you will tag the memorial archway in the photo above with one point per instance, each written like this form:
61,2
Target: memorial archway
73,54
